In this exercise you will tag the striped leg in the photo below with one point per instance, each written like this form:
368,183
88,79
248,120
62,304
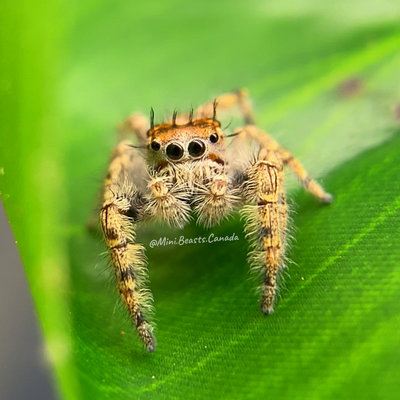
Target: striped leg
266,223
129,263
123,207
133,128
268,143
309,184
238,98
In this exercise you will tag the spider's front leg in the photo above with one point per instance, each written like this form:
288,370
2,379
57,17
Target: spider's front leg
266,222
123,207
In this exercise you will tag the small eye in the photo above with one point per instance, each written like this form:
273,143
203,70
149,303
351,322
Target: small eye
174,151
155,146
196,148
214,138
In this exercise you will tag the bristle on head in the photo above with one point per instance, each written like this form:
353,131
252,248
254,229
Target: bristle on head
174,115
151,118
191,116
215,103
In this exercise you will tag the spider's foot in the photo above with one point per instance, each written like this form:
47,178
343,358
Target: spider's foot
146,334
267,310
328,198
268,300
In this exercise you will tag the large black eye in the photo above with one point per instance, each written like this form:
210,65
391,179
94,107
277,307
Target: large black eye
196,148
155,146
174,151
214,138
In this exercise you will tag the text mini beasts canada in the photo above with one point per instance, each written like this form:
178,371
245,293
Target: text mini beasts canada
186,166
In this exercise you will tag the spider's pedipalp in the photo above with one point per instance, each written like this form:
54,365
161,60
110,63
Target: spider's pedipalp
215,201
168,202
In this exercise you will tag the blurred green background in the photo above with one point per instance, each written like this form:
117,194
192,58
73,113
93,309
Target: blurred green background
324,79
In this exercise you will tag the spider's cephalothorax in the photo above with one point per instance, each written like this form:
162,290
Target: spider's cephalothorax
186,168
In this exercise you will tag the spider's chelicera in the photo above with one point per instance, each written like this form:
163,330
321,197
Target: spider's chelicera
187,167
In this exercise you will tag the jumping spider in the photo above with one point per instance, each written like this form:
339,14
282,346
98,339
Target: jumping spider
184,167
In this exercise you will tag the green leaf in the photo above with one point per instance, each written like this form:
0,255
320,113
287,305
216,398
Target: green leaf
66,84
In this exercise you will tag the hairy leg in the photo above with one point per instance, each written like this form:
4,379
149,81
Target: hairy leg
266,223
122,209
268,143
238,98
135,126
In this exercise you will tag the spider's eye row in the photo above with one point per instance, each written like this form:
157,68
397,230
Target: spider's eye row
174,151
155,146
196,148
214,138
